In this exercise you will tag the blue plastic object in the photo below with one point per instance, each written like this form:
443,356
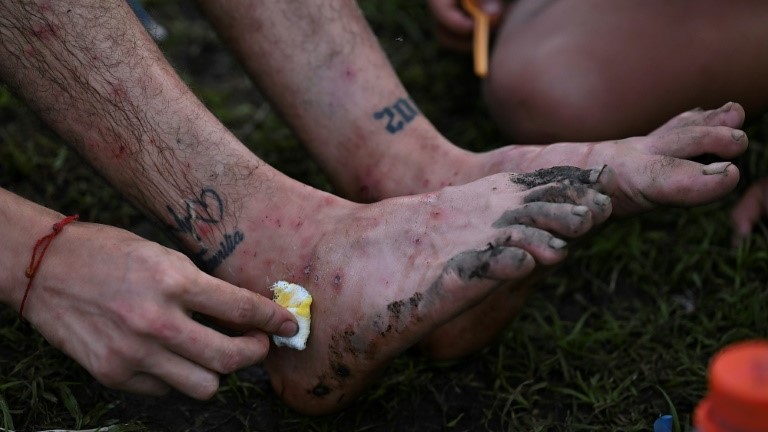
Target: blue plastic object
663,424
158,32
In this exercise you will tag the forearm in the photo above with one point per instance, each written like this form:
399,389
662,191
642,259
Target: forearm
324,70
95,76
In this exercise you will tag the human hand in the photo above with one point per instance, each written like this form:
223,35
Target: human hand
455,25
120,306
752,206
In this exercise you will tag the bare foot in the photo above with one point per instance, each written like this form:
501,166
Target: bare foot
651,171
384,275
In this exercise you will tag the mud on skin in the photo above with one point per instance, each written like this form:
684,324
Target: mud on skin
560,174
468,265
418,277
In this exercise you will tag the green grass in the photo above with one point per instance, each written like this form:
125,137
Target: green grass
633,317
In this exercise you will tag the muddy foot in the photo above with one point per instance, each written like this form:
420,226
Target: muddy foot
650,171
385,275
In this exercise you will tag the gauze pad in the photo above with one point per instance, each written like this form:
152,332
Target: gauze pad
297,300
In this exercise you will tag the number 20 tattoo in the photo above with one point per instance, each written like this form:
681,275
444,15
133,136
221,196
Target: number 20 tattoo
397,115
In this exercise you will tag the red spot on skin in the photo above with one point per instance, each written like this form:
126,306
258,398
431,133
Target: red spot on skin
277,222
349,74
417,241
204,230
370,184
91,143
298,223
30,51
435,215
118,91
45,31
44,6
118,152
268,263
425,183
338,281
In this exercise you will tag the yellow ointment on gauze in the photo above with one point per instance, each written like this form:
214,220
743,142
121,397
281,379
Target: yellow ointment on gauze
297,300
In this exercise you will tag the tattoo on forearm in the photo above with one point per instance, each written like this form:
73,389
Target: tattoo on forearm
397,115
226,248
207,210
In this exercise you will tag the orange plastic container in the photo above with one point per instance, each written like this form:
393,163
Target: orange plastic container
738,390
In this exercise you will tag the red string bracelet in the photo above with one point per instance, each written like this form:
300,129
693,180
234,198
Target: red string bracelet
41,247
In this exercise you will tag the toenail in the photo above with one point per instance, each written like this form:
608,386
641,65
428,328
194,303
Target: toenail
595,173
738,134
602,200
727,106
580,210
716,168
556,243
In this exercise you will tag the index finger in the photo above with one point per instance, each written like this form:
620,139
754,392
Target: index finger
239,307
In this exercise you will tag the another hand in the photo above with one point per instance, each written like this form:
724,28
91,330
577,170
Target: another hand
121,307
455,26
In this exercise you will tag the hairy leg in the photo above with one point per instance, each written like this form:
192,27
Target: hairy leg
603,69
347,105
382,275
345,102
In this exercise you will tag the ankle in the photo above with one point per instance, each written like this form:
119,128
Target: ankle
427,165
278,236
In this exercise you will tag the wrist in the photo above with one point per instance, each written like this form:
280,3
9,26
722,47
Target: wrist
23,223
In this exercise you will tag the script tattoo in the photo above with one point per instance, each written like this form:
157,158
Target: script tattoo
397,115
207,208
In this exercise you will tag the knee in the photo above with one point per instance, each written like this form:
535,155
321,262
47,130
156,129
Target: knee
545,97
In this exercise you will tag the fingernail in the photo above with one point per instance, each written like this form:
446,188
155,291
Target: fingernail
580,210
737,135
716,168
288,329
556,243
602,200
